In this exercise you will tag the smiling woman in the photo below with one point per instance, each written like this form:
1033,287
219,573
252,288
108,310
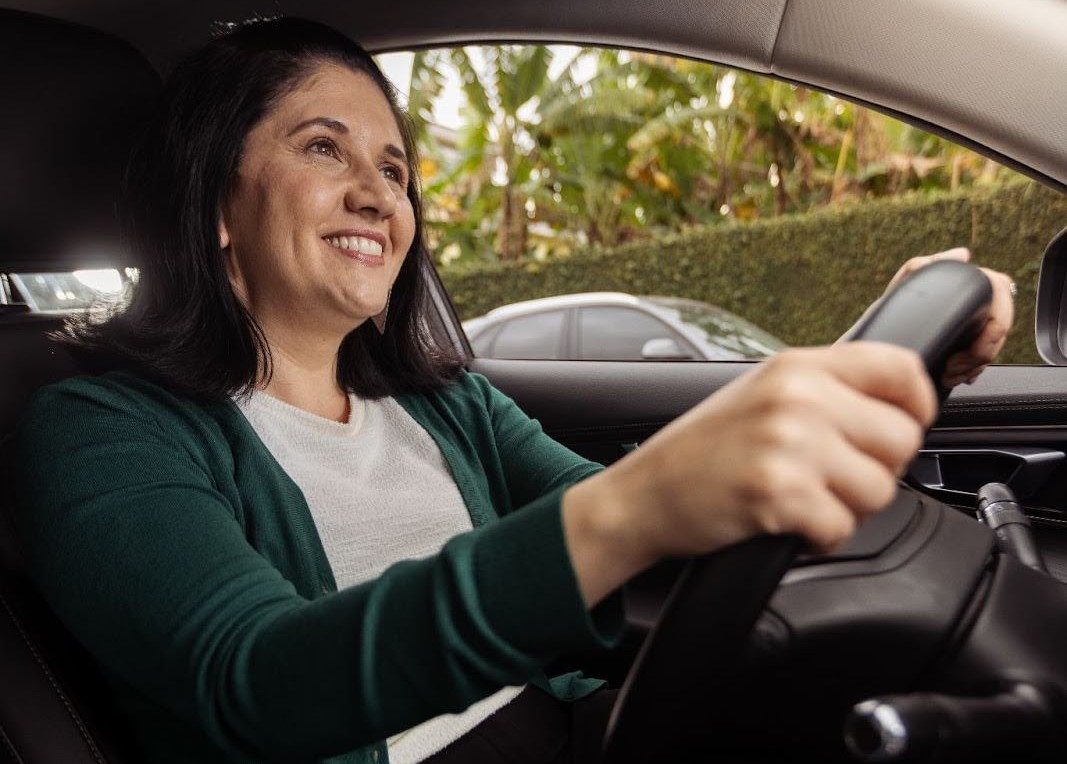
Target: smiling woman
289,526
296,436
233,217
317,226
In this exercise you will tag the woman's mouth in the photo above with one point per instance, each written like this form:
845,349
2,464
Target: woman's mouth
365,250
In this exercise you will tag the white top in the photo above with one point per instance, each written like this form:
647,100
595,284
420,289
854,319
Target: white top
379,491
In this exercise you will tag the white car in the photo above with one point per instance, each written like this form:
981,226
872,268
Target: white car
612,326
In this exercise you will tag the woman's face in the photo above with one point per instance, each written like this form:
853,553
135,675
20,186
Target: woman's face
318,222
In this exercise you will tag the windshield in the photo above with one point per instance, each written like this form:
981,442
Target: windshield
720,328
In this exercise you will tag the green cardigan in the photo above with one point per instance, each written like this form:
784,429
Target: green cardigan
176,549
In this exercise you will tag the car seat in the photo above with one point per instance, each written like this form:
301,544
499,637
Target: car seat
72,101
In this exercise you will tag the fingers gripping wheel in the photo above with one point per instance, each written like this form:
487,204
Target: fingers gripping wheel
664,705
935,312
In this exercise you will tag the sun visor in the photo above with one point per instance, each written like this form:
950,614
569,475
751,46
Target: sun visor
74,100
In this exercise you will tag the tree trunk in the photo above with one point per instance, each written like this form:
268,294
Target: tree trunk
511,238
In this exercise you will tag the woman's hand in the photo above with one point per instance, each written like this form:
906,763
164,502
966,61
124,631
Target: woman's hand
966,365
809,442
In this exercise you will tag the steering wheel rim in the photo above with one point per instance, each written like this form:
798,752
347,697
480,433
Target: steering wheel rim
710,623
729,613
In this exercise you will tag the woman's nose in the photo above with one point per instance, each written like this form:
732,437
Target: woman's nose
369,192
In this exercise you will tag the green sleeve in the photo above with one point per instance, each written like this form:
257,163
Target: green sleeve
538,470
533,463
131,534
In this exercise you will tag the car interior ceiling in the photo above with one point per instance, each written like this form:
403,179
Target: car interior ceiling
57,214
973,86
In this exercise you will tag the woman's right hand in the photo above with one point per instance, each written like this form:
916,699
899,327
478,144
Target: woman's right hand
809,442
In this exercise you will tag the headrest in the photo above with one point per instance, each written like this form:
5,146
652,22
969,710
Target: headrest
74,99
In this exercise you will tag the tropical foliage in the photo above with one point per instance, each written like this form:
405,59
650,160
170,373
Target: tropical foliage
608,147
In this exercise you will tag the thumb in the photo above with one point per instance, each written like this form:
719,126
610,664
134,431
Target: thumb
962,254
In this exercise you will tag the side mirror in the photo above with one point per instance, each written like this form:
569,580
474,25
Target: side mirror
664,349
1051,313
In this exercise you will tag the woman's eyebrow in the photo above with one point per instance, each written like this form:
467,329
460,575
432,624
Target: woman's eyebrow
397,152
330,124
341,128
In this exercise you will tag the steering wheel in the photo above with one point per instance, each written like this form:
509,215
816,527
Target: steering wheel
707,620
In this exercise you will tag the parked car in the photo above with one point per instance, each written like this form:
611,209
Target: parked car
967,629
611,326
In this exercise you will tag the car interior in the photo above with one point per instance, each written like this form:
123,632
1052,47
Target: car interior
950,630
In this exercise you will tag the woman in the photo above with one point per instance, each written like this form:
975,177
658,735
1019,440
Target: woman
276,527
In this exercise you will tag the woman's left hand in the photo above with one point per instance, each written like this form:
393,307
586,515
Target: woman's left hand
966,365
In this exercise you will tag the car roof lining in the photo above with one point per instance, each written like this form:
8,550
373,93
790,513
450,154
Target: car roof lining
945,62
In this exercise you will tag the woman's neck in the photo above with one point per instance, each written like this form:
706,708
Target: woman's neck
305,375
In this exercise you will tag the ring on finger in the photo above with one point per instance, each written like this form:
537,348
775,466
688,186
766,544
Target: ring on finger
1012,289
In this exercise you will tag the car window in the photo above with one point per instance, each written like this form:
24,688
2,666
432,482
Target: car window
784,208
620,334
64,292
537,336
572,172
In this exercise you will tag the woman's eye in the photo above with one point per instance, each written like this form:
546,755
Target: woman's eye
394,174
325,147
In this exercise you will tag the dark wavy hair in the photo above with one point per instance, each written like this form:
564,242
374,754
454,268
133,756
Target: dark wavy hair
183,325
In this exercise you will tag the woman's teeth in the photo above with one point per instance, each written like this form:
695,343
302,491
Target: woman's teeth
355,244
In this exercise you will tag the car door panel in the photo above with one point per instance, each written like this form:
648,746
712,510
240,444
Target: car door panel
1013,409
574,399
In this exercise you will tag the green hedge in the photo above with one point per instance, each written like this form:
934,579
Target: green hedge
804,278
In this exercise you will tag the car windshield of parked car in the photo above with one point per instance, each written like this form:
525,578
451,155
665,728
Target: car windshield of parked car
719,328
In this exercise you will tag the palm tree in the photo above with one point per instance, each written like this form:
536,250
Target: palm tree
651,143
496,145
